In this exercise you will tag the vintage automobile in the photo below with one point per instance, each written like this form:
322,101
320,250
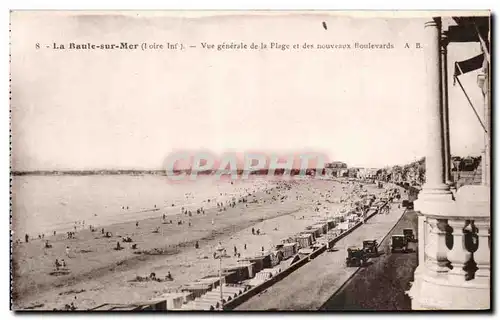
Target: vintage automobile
356,257
370,248
399,244
409,235
408,204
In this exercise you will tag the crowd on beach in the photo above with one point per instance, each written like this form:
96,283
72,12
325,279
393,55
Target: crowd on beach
275,192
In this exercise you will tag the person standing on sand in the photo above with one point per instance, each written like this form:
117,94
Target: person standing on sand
137,224
27,238
67,251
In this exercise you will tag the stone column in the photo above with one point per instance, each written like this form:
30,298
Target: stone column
446,121
435,153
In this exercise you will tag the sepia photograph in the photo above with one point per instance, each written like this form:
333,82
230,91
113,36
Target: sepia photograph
208,161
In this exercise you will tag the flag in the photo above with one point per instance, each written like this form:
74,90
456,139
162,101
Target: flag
465,66
461,33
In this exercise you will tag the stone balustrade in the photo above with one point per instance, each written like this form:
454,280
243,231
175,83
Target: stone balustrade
454,253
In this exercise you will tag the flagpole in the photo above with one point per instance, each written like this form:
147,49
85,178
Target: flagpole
470,102
483,44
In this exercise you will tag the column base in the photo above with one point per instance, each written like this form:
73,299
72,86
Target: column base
429,292
436,200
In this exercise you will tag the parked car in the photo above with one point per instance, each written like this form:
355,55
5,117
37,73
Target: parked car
399,244
371,248
356,257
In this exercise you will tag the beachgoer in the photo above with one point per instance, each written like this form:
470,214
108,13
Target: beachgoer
137,224
118,247
169,276
47,245
63,263
54,233
197,245
57,264
67,251
253,231
245,246
27,238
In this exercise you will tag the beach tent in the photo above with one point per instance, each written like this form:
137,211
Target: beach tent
175,300
276,257
342,227
311,232
305,252
323,226
289,250
151,305
305,240
201,305
260,262
242,272
197,289
227,277
212,280
261,277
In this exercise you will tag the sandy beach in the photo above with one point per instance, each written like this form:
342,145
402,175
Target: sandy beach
100,274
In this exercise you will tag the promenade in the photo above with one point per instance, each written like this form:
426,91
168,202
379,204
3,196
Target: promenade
383,284
312,285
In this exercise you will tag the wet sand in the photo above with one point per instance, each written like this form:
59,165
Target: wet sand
99,274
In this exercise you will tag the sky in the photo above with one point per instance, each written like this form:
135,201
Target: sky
75,110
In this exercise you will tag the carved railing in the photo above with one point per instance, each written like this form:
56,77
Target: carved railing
454,252
457,248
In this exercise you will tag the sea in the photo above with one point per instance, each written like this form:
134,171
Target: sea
42,204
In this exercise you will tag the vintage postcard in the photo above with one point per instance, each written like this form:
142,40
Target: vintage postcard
250,160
